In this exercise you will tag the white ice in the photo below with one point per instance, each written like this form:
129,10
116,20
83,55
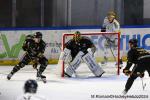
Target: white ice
82,88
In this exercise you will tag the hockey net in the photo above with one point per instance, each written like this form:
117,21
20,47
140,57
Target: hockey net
107,52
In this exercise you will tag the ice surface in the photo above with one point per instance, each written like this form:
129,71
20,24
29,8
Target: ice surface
83,88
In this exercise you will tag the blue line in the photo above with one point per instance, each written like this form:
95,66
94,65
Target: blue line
70,27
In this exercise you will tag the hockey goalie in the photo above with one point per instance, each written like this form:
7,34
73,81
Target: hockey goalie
77,50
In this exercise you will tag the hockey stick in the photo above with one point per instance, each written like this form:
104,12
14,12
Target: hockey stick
35,67
143,84
58,45
107,39
44,80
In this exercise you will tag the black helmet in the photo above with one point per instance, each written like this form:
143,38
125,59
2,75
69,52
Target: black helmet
133,41
30,86
38,35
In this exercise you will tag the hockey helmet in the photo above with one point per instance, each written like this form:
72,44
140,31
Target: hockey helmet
111,14
134,42
30,86
76,36
38,35
29,36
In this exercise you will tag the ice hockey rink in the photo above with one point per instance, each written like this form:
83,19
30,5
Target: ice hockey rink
108,87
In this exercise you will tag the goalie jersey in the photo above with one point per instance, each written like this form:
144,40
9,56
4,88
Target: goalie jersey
135,55
81,45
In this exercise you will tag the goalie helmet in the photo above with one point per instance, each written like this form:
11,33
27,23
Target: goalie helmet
77,36
38,35
30,86
133,42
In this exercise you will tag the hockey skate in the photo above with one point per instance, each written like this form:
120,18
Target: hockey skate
41,77
9,76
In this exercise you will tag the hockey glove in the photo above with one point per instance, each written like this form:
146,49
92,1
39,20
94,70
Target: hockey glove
126,72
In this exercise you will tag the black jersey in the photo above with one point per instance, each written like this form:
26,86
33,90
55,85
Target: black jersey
82,45
32,47
135,55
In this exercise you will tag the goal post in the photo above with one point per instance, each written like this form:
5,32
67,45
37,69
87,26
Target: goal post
107,48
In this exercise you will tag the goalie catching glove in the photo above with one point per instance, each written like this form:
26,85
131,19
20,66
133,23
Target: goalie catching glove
66,55
91,50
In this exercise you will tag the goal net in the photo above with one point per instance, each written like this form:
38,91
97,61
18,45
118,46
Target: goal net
107,52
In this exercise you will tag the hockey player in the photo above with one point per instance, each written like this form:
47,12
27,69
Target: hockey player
141,60
34,48
81,49
110,24
30,89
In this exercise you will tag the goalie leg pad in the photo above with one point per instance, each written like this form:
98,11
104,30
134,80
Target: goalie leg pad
65,55
93,66
74,64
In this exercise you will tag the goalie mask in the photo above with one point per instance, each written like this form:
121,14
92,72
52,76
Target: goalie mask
77,36
30,86
133,42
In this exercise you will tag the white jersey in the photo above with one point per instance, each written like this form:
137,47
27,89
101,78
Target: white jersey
111,27
29,96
